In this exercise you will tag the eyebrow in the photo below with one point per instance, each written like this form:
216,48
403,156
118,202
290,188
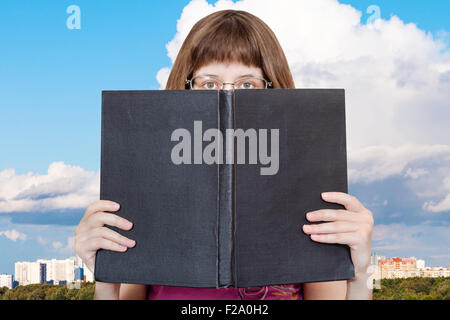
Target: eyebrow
242,76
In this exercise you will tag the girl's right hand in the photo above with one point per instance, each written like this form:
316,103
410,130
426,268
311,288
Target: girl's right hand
92,235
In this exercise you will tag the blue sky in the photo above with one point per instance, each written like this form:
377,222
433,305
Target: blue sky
51,74
51,80
430,15
52,77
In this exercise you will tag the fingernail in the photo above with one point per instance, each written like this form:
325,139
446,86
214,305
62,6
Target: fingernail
132,243
122,248
325,194
116,205
310,215
128,224
306,227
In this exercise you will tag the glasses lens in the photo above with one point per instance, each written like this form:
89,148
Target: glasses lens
251,83
205,83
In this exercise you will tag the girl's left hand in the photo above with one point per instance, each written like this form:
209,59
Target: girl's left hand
352,227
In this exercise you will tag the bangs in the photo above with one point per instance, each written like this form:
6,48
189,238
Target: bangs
231,36
230,40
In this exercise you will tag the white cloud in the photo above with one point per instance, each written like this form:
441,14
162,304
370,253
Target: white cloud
396,76
419,240
13,235
438,187
415,173
69,248
42,240
57,244
162,76
71,243
425,168
447,183
376,163
63,187
443,205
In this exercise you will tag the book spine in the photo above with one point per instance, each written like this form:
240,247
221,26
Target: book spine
225,196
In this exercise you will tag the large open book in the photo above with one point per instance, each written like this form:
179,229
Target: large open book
218,183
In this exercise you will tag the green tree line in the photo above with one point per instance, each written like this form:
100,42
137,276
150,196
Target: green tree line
391,289
48,292
413,289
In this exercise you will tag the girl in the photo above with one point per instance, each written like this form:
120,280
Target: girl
235,50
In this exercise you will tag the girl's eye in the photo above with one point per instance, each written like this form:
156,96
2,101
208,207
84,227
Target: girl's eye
247,85
210,85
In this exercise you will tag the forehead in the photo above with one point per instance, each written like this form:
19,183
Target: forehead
228,70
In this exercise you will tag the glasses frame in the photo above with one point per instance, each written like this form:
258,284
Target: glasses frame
268,84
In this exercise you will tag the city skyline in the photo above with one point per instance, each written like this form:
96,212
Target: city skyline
73,269
48,271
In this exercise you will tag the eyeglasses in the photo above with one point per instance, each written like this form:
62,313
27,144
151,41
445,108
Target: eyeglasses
212,83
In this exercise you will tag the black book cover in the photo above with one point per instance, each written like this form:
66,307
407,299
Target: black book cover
218,183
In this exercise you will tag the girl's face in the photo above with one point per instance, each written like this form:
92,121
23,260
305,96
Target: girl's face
229,72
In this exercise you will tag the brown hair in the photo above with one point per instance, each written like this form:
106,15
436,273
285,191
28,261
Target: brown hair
231,36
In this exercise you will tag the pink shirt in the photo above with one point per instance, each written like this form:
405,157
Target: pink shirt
282,292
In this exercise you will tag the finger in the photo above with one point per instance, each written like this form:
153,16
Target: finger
102,243
349,238
99,219
351,203
112,235
102,205
330,215
330,227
